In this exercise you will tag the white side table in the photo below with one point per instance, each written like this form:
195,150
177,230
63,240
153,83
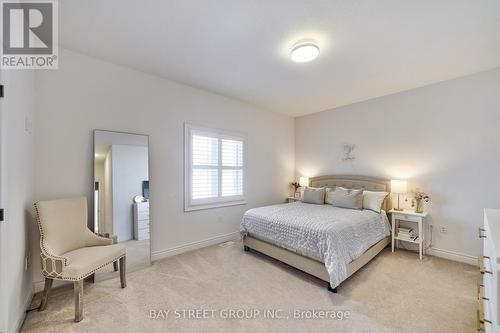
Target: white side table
410,216
292,199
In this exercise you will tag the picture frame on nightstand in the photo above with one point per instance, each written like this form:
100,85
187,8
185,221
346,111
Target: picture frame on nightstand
296,195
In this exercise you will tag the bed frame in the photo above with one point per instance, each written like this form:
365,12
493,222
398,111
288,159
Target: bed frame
314,267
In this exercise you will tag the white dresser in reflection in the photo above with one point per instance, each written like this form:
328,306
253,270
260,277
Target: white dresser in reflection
489,266
141,220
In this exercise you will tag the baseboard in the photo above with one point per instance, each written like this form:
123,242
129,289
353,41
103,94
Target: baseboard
451,255
157,255
20,320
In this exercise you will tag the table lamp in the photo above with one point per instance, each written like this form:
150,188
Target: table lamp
304,181
398,186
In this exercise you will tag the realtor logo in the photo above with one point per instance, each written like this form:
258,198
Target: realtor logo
29,34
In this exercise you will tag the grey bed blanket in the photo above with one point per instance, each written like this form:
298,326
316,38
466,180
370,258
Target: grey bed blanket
332,235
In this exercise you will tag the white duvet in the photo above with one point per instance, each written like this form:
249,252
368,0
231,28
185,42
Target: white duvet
335,236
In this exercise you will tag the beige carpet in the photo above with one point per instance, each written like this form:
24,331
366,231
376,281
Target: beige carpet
138,257
395,292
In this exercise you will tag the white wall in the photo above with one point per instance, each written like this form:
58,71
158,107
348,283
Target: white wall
17,190
130,169
86,94
443,138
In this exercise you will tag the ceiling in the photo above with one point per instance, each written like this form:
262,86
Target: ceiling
240,48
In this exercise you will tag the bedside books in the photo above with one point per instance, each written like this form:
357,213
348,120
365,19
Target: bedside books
406,234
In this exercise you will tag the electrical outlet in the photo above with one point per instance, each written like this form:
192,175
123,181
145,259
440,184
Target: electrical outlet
443,230
28,125
27,262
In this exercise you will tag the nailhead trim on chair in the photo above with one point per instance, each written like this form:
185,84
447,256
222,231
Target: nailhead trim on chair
46,257
87,274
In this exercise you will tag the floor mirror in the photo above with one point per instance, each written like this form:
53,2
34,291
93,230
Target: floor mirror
121,195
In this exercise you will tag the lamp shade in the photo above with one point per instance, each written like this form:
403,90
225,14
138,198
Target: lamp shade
304,181
398,186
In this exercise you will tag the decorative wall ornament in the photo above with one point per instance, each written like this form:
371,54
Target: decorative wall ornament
348,152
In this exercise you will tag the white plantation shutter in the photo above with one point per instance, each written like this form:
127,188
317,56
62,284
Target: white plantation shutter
205,173
214,168
205,183
232,167
232,182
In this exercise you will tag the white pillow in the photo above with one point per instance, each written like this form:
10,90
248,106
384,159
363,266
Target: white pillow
374,200
314,195
329,195
348,198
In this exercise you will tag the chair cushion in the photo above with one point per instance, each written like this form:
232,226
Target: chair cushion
87,260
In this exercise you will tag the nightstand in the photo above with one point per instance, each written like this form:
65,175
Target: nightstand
410,216
292,199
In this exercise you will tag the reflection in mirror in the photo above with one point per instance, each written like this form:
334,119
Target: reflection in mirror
121,194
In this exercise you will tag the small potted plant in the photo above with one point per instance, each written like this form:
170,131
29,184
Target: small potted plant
420,197
295,185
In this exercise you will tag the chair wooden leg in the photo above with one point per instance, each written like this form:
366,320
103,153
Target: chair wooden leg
115,265
78,291
45,295
123,279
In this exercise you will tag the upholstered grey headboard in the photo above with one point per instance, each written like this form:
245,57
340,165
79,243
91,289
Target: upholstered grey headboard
355,182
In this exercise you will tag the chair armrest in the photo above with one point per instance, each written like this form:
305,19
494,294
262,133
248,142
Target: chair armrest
95,240
49,253
52,264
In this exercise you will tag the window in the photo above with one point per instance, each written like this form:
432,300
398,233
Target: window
214,168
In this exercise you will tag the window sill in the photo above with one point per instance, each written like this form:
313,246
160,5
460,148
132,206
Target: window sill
214,205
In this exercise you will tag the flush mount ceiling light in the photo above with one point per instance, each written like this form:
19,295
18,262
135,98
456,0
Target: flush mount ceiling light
304,52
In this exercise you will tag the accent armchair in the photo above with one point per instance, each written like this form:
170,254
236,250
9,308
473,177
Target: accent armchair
69,250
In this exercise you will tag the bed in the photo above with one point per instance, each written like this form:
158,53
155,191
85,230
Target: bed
327,242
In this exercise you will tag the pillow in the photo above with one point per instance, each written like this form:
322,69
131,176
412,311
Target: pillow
374,200
346,198
314,195
329,195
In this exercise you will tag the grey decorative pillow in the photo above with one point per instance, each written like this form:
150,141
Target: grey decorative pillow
314,195
346,198
329,195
